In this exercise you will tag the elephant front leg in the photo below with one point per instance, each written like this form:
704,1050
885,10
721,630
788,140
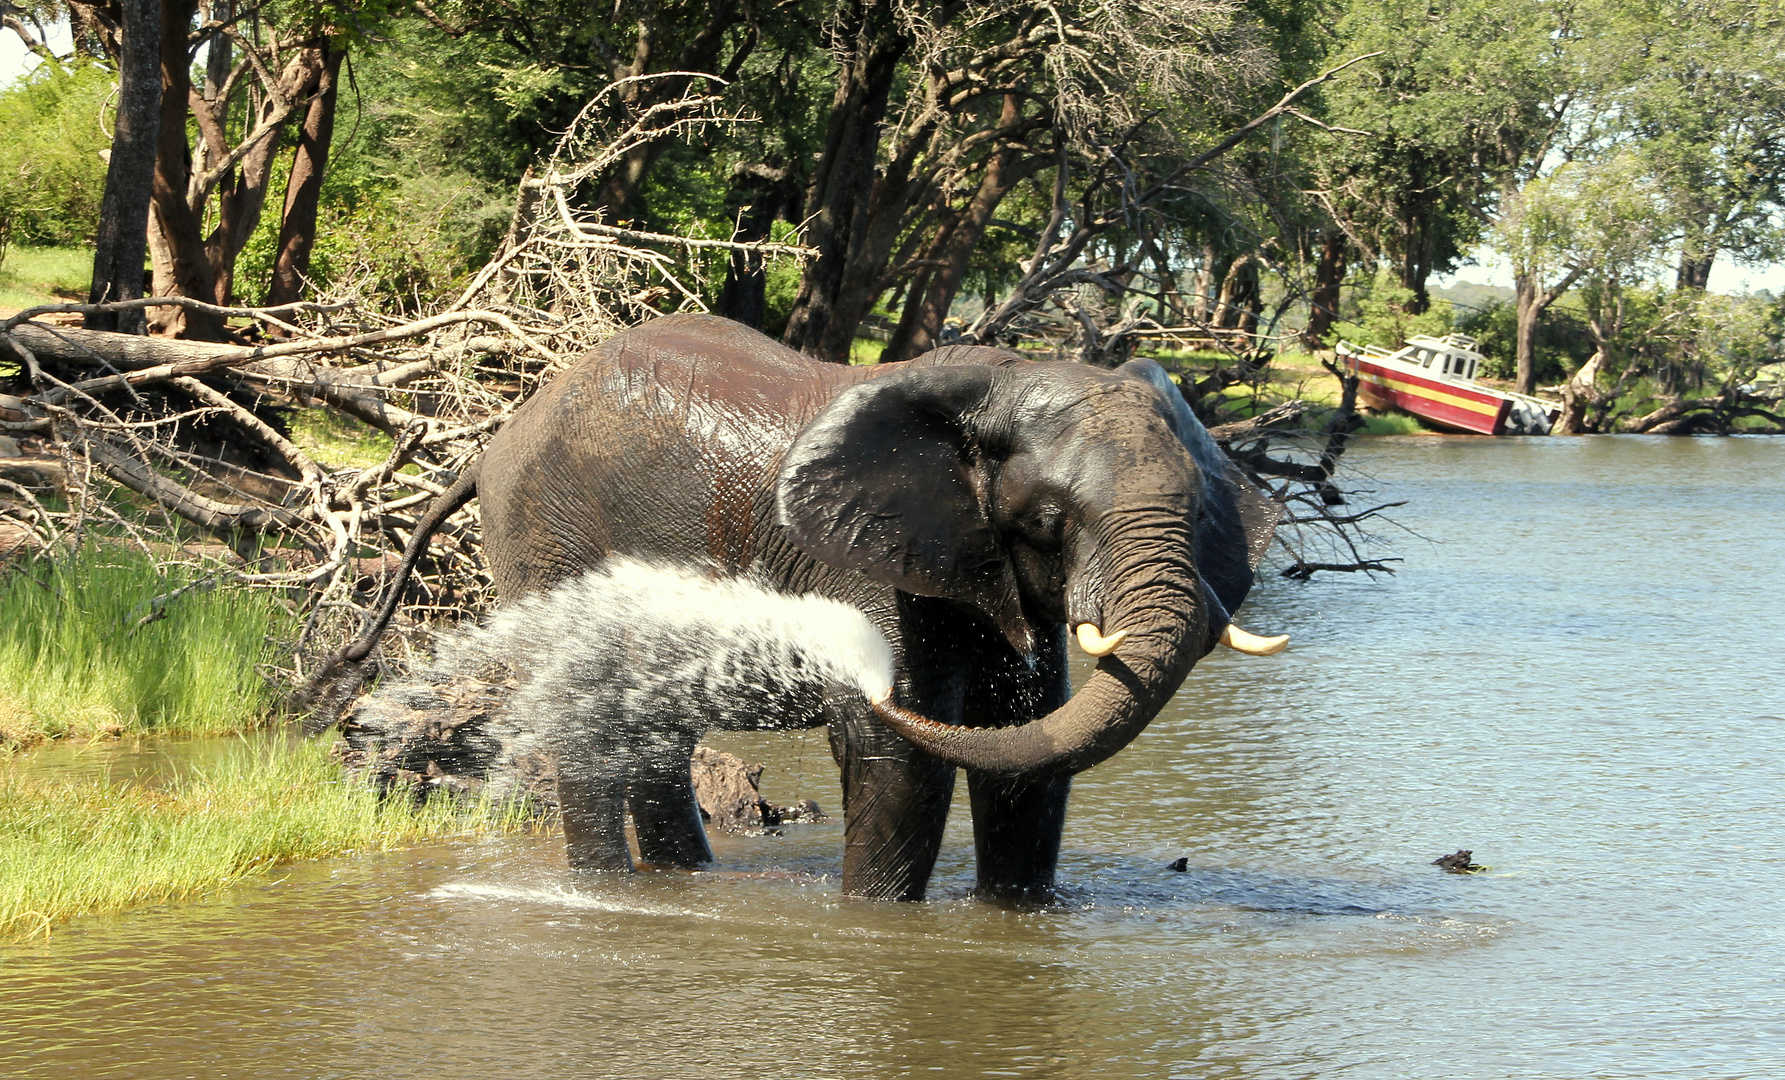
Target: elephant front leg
1017,821
665,814
1017,826
895,804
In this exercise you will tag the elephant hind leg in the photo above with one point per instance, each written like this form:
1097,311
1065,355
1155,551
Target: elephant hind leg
665,815
591,804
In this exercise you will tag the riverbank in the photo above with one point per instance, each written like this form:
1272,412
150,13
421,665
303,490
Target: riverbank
73,844
106,643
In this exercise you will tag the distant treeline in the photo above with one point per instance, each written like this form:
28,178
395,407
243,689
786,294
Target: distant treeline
930,154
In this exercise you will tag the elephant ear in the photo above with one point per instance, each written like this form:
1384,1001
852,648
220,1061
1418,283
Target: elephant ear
1236,521
888,479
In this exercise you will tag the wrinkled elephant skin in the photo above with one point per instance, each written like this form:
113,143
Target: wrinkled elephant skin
974,504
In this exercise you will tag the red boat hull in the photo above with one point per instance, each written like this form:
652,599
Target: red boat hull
1445,404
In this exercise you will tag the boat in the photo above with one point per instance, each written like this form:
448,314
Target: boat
1434,379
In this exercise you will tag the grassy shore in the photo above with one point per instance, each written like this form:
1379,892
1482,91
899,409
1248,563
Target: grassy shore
30,276
74,847
83,651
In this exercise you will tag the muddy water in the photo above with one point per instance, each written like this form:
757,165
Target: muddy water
1577,674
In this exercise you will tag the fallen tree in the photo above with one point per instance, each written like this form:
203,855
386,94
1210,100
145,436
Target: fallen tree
186,449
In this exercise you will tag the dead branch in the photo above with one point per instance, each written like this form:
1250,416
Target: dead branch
150,438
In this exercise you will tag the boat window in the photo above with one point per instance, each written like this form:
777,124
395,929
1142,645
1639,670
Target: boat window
1425,357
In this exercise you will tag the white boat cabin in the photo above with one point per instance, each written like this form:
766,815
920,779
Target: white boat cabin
1452,356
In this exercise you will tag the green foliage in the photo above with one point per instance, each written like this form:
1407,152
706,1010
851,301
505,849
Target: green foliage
51,175
866,351
1463,96
72,847
1694,91
75,661
779,292
1392,424
389,229
1608,219
1561,345
1379,315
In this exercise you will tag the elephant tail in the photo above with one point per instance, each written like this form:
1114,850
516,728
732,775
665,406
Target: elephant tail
334,683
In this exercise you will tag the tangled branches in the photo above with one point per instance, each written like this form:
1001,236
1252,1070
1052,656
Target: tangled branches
191,450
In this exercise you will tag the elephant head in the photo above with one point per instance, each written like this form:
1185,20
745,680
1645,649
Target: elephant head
1039,494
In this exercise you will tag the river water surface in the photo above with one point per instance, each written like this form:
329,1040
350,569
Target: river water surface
1576,674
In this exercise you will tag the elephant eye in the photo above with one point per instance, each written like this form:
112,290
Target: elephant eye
1050,521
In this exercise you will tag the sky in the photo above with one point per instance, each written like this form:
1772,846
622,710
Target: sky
1486,269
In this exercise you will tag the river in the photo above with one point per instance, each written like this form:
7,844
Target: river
1576,673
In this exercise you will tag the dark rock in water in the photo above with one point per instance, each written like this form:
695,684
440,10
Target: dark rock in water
1181,865
804,810
730,795
1458,863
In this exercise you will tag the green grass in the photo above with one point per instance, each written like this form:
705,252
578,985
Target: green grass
73,660
44,275
1392,424
336,440
866,351
73,847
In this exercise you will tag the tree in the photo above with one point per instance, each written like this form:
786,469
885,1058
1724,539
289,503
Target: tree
991,96
1603,224
1465,105
1699,95
122,240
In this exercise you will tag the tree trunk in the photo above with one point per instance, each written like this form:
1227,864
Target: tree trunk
297,227
241,196
1527,312
1532,302
1323,303
122,240
1211,271
925,310
1695,264
181,265
843,181
701,53
1578,395
770,194
1241,300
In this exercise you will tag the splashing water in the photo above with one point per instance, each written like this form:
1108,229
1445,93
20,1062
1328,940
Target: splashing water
664,631
633,650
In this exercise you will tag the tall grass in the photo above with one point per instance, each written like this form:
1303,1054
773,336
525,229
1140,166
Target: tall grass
71,847
75,661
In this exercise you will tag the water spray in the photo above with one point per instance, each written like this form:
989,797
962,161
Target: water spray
619,671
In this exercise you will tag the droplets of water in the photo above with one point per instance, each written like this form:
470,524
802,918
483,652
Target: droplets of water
649,655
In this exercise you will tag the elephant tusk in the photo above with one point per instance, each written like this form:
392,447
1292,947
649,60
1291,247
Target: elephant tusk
1093,642
1251,644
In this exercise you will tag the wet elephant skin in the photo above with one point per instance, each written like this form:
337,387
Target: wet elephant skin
972,503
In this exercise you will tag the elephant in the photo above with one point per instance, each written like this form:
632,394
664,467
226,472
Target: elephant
974,504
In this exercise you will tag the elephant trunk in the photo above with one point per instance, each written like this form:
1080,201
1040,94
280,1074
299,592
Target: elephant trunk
1156,603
